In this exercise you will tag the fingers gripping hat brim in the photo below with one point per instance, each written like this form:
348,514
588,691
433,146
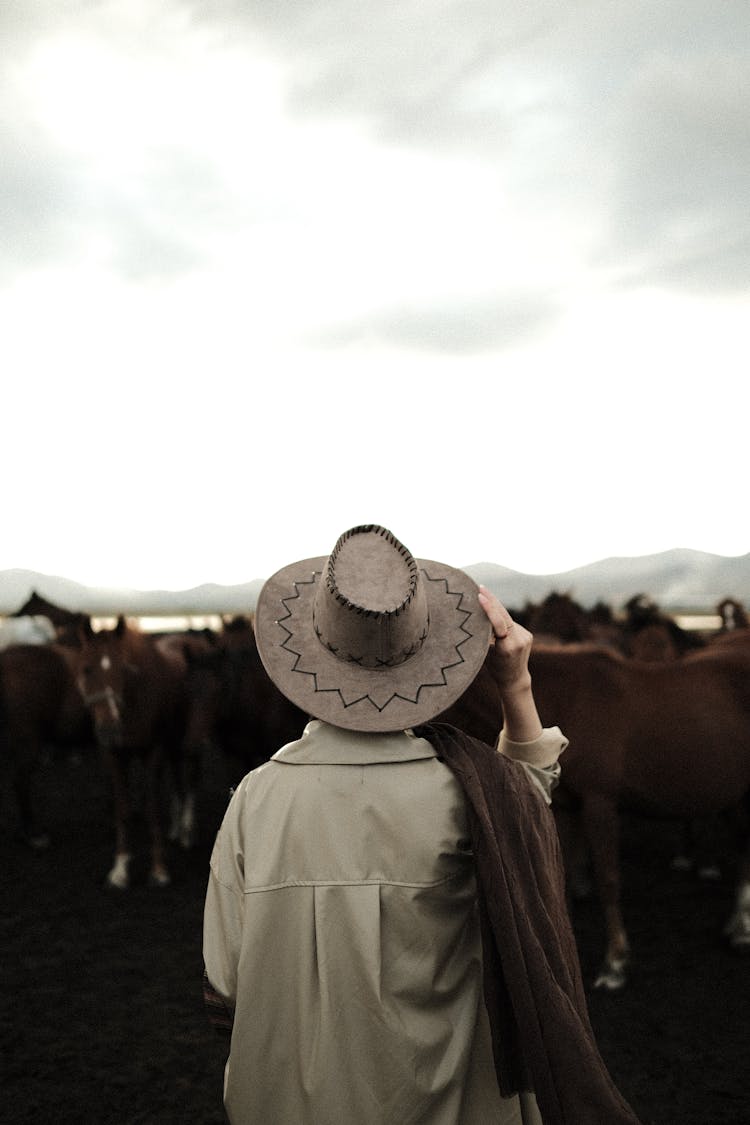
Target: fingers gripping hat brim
363,698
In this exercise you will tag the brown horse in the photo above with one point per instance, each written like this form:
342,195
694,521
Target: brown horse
134,686
39,708
733,615
557,618
671,740
234,705
652,635
36,605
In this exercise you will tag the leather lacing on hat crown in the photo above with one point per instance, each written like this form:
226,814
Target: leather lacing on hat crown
392,661
374,616
371,528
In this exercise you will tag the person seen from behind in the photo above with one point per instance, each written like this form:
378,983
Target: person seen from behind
385,931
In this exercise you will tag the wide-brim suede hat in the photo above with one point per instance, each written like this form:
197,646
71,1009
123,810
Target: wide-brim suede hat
369,638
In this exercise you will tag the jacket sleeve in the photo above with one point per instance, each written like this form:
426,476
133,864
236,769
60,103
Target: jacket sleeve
220,1013
223,915
539,758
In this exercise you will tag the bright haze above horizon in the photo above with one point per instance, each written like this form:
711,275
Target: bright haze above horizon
270,271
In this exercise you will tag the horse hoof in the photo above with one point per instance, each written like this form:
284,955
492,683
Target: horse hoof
611,978
159,879
118,881
738,933
119,876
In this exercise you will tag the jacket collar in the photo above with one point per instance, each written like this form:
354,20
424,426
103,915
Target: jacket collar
324,745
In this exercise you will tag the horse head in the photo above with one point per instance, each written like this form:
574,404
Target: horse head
733,615
105,667
559,617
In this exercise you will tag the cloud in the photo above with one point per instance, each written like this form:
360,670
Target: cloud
158,224
420,72
144,142
37,183
682,177
463,326
628,118
107,156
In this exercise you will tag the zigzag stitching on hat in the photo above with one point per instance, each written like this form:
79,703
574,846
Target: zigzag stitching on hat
289,634
467,614
396,695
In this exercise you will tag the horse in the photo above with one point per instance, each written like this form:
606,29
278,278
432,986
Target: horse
134,686
63,622
234,705
558,617
652,635
671,740
39,708
733,615
604,628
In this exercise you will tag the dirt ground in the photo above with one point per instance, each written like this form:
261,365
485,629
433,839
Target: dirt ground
102,1019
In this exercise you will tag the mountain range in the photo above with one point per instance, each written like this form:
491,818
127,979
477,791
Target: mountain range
679,580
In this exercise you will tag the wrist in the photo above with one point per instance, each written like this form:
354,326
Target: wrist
516,691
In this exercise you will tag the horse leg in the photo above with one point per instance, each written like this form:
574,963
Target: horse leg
182,818
698,850
684,860
602,830
119,875
176,804
159,874
737,928
574,849
186,833
182,815
186,770
26,751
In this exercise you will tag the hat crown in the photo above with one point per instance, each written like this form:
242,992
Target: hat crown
371,607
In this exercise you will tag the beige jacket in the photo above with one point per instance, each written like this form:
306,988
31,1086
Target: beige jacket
341,922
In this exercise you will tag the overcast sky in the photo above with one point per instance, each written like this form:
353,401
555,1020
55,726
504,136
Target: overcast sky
476,271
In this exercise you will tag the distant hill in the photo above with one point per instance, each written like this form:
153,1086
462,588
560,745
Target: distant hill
679,580
16,586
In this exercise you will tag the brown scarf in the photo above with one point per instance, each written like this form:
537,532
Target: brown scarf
541,1033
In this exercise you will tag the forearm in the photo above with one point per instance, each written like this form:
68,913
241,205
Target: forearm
521,722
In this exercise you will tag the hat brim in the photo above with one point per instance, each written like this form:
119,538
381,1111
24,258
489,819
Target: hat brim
365,699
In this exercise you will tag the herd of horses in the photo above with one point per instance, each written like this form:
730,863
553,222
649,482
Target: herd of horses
162,700
658,720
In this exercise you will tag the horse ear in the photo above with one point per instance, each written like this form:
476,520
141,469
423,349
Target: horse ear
84,629
120,626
